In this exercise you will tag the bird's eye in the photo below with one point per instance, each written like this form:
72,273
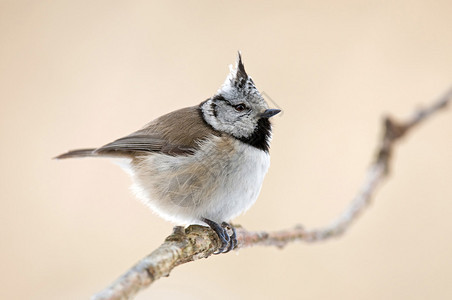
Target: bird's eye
240,107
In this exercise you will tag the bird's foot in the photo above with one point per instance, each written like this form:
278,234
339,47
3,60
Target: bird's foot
226,233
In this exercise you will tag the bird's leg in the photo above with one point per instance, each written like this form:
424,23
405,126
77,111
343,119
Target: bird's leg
228,242
232,237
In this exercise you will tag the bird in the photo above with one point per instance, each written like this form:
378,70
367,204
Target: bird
203,164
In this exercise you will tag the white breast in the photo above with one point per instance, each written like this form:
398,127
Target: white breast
219,182
240,190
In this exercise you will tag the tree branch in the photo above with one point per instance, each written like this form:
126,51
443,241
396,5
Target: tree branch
195,242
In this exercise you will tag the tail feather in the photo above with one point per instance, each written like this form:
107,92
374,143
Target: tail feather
78,153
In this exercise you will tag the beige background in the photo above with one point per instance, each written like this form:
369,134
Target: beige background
82,73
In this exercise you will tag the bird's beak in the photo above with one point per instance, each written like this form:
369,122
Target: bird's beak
268,113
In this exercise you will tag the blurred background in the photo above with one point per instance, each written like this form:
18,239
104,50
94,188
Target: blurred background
82,73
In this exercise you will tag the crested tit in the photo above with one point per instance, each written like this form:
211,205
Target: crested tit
204,163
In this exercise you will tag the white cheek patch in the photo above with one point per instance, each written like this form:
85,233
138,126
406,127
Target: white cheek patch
228,122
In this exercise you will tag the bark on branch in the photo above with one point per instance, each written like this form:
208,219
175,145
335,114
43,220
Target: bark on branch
195,242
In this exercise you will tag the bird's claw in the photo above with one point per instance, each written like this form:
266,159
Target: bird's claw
226,233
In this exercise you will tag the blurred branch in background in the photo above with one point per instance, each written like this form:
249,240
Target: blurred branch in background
195,242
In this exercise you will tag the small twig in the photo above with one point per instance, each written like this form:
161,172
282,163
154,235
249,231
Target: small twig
196,242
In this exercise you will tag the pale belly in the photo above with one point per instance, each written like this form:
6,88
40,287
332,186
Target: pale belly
219,182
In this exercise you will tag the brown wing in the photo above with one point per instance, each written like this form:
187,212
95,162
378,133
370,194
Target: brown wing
176,133
132,144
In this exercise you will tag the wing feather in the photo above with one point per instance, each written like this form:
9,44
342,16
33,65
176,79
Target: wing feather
177,133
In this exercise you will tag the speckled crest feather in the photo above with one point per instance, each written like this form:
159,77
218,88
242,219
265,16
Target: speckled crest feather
238,84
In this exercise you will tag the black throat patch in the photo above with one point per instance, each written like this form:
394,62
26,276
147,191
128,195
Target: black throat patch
260,137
